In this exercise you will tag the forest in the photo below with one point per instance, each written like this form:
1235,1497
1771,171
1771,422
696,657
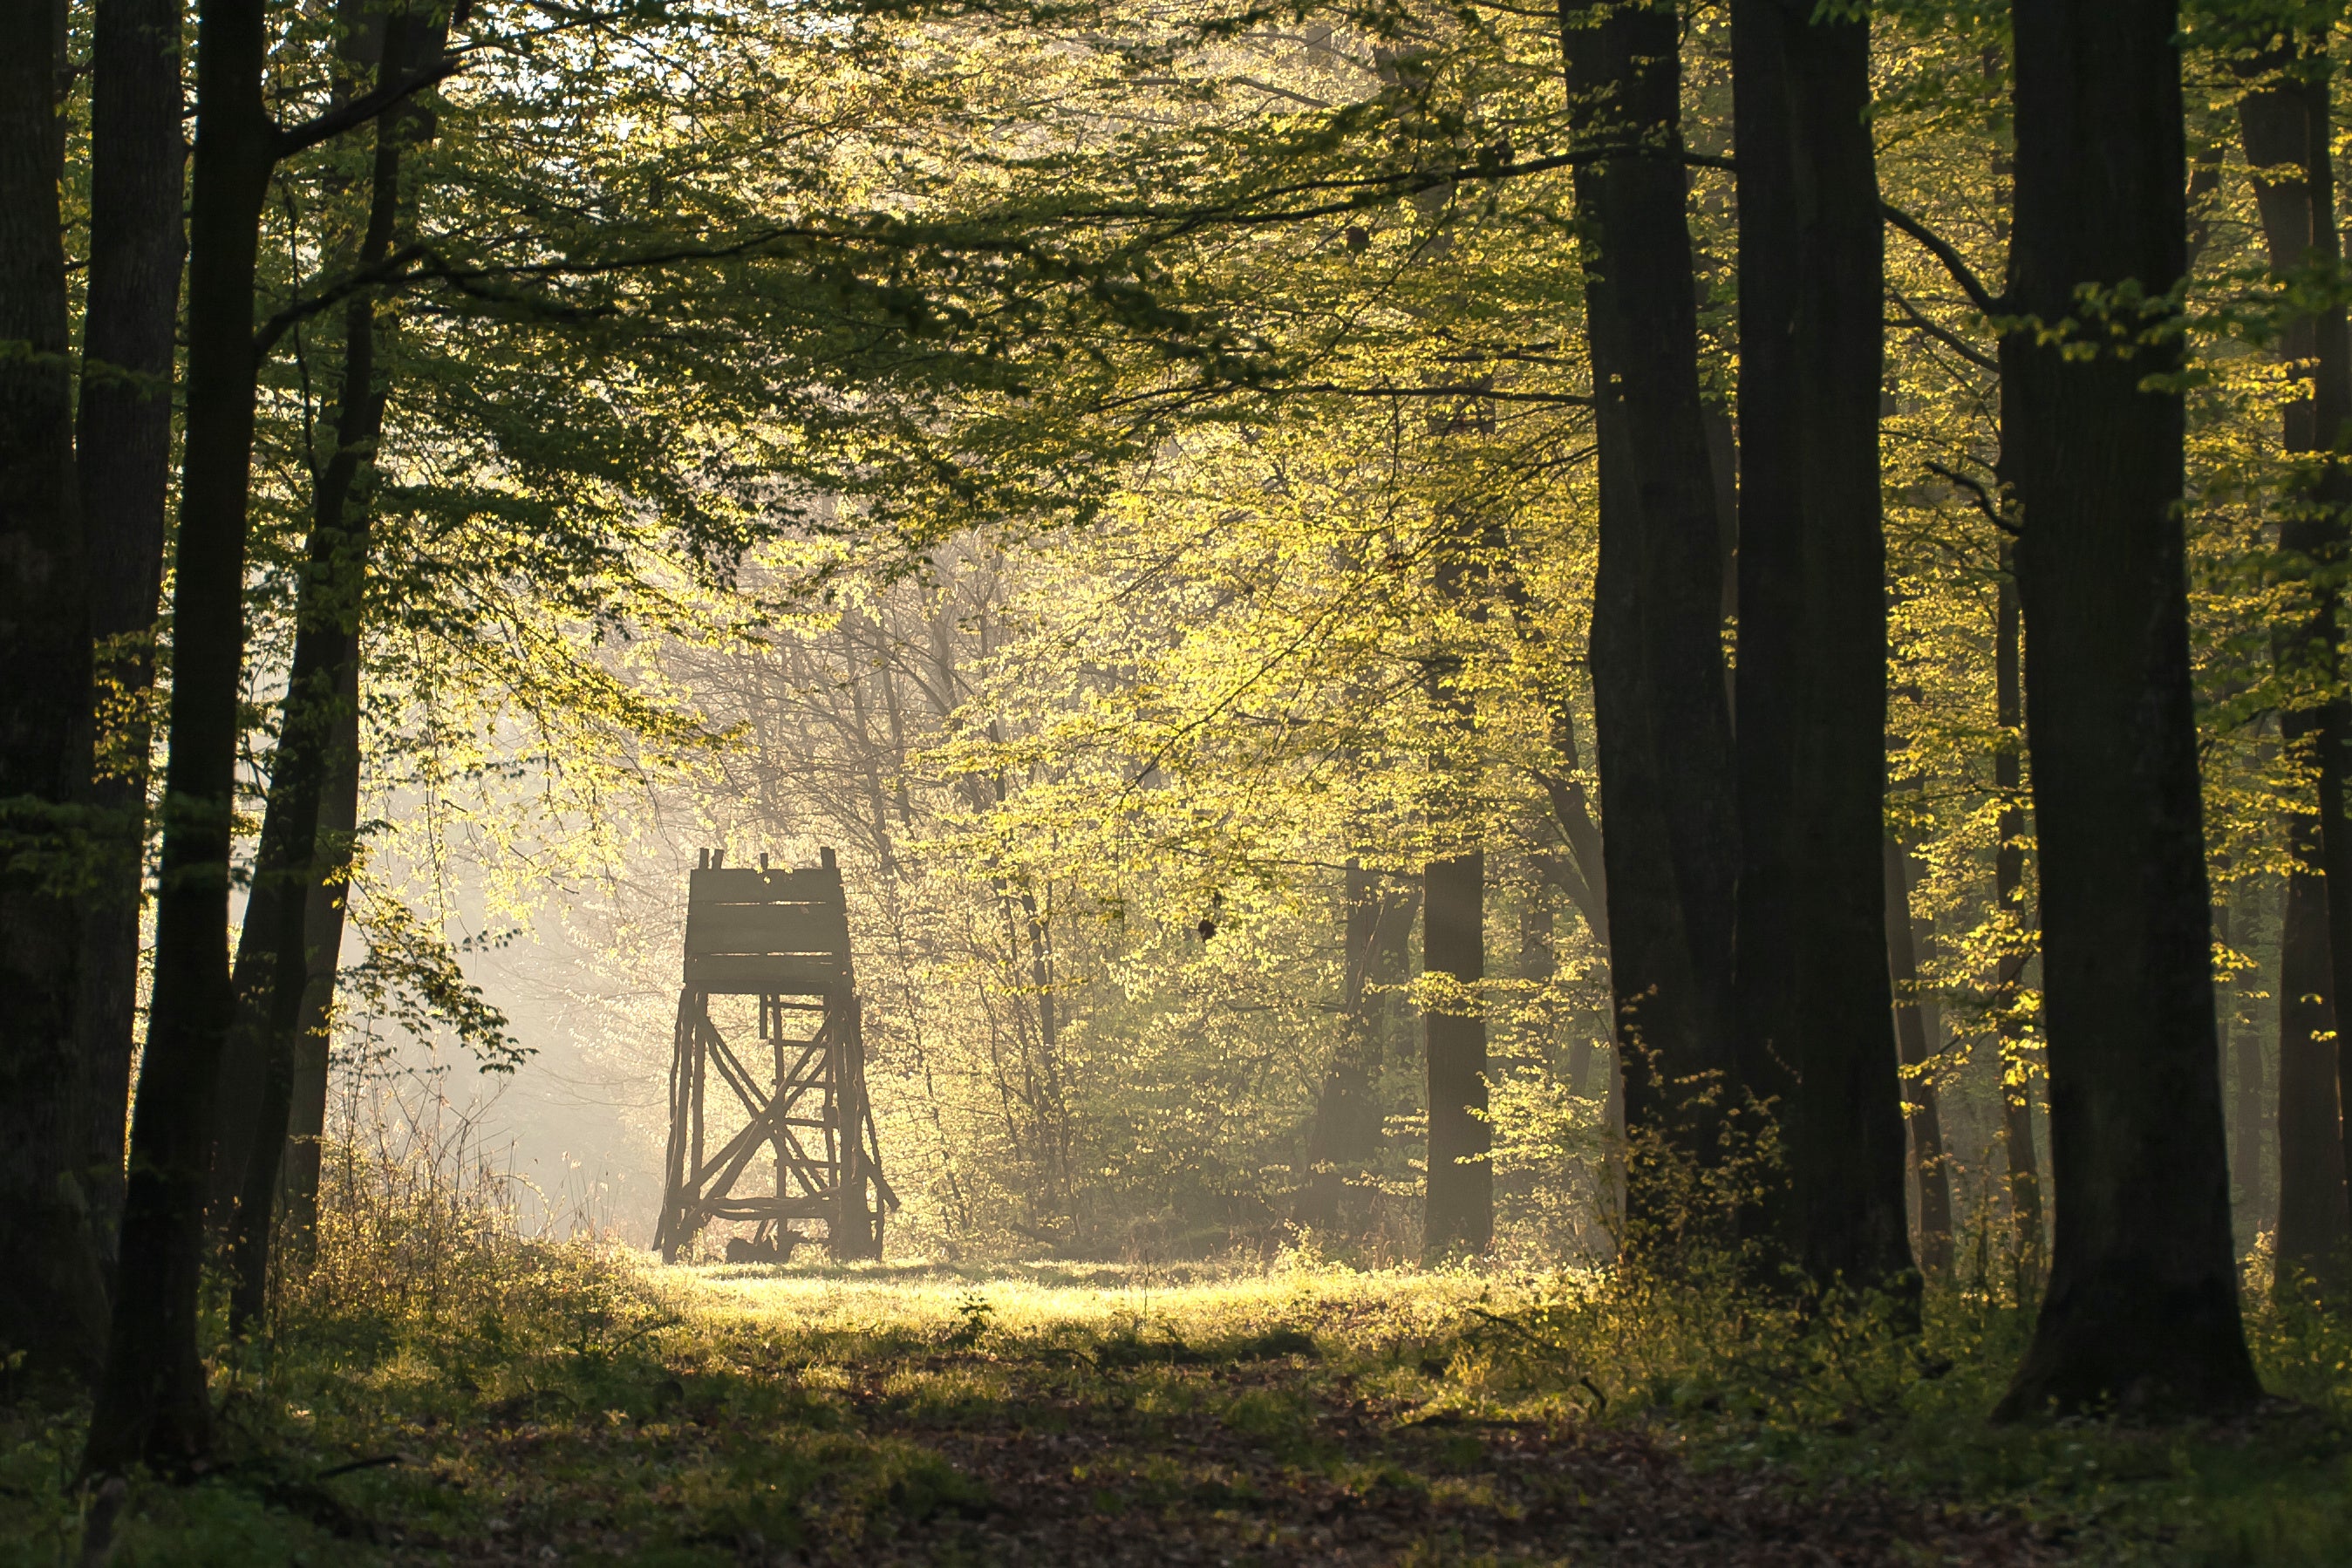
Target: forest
1549,782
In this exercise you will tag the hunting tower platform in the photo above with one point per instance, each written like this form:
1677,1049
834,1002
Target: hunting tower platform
782,937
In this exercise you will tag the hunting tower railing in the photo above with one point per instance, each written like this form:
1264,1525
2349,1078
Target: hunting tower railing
782,937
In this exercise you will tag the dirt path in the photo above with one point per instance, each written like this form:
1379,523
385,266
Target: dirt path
1269,1466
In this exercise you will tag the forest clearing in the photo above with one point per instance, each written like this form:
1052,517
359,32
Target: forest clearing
571,1404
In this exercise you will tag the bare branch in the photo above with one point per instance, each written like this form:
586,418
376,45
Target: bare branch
1941,250
1944,335
1983,497
350,116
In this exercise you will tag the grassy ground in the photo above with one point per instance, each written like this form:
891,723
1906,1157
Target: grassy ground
566,1404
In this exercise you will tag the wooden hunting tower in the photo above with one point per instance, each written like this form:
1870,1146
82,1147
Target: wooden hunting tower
782,937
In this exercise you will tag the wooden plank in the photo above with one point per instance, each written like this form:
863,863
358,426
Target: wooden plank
766,928
739,1078
738,975
729,1163
773,1208
743,885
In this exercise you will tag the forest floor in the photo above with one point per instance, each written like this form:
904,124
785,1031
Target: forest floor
591,1409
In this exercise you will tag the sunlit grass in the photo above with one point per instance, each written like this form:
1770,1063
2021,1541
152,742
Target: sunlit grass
1044,1302
583,1400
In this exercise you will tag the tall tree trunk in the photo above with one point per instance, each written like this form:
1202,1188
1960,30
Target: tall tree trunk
1662,719
1345,1136
1459,1215
2141,1311
53,1301
124,442
323,939
2225,1007
1917,1037
1816,1041
1391,971
2253,1188
2312,1212
2284,121
151,1402
244,1067
2012,1022
274,967
1458,1210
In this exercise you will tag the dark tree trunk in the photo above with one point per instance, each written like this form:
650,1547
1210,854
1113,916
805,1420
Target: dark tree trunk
1458,1212
323,940
1345,1136
2312,1215
2141,1312
1916,1038
273,968
124,441
152,1402
245,1062
1816,1043
1538,959
1662,719
2249,1079
1459,1218
53,1301
2284,122
1579,1063
2225,1010
2012,1023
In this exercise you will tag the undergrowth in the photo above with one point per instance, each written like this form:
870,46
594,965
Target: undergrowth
437,1388
1847,1394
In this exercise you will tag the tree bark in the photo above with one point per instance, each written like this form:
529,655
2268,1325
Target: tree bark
152,1402
52,1303
2285,122
2012,1023
1816,1043
322,940
273,968
1345,1136
2312,1212
1917,1037
2246,1071
1459,1215
1458,1198
124,441
2141,1312
1662,719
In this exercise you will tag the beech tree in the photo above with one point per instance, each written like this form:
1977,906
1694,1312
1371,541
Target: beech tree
2142,1305
54,1297
122,444
1815,1010
1661,712
2285,124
